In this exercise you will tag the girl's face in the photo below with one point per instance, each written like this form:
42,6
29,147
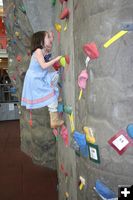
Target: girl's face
47,41
51,36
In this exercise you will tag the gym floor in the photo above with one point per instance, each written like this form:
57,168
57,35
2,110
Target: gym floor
20,179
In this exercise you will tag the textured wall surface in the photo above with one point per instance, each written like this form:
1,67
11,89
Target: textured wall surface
37,140
107,103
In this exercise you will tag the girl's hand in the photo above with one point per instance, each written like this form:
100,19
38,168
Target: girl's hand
58,58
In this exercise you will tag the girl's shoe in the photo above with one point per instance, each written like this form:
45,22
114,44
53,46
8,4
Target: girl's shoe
59,99
54,120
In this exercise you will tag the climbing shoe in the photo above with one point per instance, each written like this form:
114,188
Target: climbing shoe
54,120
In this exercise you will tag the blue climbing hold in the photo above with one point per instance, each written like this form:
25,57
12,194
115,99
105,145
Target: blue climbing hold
79,138
104,191
60,107
130,130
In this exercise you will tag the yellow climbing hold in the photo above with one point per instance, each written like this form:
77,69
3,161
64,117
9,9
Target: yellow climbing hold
17,33
63,61
58,27
71,118
89,135
80,94
114,38
65,28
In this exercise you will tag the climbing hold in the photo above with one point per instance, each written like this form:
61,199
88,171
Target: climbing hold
127,27
66,195
10,60
62,1
65,13
55,132
79,138
68,109
82,79
130,130
81,141
17,34
60,107
82,182
53,2
19,58
64,134
103,190
67,58
91,50
22,8
114,38
28,53
58,29
57,65
71,118
30,120
89,135
63,61
14,41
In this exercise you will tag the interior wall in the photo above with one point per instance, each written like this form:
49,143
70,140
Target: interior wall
106,105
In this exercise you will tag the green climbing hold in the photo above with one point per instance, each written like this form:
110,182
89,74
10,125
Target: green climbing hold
53,2
22,8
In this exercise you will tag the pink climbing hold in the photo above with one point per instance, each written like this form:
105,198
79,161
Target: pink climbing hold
55,132
64,134
82,78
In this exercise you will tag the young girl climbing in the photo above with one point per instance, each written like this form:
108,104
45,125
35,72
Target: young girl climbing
40,83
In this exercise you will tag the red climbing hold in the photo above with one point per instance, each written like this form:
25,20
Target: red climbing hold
91,50
65,13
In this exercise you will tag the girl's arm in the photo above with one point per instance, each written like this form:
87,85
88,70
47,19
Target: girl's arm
40,58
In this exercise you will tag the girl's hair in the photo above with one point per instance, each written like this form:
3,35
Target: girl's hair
37,40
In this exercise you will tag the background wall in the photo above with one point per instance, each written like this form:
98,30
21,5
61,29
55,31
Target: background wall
37,140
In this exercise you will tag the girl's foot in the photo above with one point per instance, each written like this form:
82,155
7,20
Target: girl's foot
59,99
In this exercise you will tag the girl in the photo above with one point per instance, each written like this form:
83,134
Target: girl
40,83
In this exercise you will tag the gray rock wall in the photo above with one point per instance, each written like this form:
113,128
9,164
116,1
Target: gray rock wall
37,140
106,105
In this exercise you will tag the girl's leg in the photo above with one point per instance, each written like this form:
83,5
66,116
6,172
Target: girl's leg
53,106
54,117
54,83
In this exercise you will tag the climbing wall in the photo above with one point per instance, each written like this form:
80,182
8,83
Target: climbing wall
107,102
37,140
87,148
105,105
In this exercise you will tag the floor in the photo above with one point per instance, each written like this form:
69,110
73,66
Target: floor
20,179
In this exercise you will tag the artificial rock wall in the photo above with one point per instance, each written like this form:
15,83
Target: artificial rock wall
106,104
37,140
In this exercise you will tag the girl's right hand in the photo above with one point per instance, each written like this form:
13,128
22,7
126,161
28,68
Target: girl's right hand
58,58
